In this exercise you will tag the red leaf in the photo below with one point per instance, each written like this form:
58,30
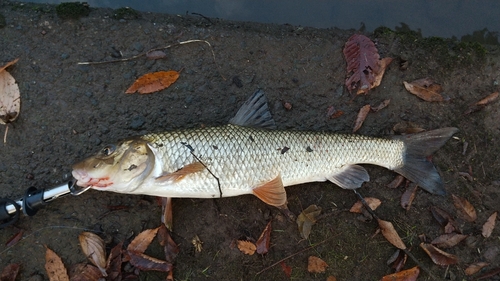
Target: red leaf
114,263
362,60
9,273
171,249
286,269
264,240
15,238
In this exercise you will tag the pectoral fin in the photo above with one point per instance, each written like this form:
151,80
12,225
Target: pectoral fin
350,177
272,193
181,173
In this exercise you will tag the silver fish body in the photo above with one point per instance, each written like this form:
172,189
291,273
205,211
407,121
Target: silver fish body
236,159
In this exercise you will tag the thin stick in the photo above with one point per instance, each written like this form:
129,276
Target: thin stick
292,255
5,135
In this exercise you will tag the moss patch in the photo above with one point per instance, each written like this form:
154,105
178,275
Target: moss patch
125,13
72,10
2,21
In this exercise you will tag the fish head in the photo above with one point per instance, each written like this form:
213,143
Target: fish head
117,167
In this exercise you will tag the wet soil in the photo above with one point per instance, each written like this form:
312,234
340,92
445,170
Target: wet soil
70,111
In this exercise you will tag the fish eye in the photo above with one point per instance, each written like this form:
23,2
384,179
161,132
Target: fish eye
108,150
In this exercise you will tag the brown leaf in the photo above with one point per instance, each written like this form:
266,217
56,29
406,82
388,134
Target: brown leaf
9,273
405,275
465,208
84,272
316,265
262,243
396,182
198,245
489,273
333,113
425,89
383,64
14,239
307,219
170,247
408,196
373,203
489,225
10,97
439,256
362,60
54,266
444,219
482,103
448,240
114,263
246,247
94,249
145,262
406,128
153,82
382,105
363,112
390,234
331,278
142,240
398,260
286,269
475,267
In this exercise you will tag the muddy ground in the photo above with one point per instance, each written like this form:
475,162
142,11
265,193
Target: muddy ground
70,111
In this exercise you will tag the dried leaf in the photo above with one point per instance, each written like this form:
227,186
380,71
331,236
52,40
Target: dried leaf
408,196
444,219
145,262
262,243
316,265
153,82
9,273
396,182
93,247
14,239
363,112
142,240
246,247
170,247
84,272
405,275
382,105
198,245
448,240
398,260
331,278
404,128
489,273
307,219
114,263
439,256
154,55
390,234
362,60
333,113
10,97
372,202
382,65
54,266
465,208
286,269
489,225
425,89
482,103
475,267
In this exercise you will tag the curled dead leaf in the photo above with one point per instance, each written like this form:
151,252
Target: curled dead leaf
425,89
84,272
373,203
94,249
444,219
408,196
448,240
489,225
475,267
56,271
405,275
262,243
145,262
396,182
306,219
316,265
153,82
391,234
382,105
465,208
363,112
439,256
482,103
246,247
398,260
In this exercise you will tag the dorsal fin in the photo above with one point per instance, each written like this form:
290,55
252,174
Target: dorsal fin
254,113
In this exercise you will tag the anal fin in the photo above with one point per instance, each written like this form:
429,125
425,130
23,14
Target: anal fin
181,173
272,193
350,177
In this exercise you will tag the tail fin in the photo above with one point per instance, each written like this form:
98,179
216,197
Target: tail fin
416,168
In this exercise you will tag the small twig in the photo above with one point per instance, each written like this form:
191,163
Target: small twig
5,134
292,255
157,49
198,14
191,150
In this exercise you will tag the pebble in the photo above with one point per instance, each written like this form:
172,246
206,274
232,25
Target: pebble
64,56
137,122
138,46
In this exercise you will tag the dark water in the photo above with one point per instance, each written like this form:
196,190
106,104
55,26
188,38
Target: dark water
432,17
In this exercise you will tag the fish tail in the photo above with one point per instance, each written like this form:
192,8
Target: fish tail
416,167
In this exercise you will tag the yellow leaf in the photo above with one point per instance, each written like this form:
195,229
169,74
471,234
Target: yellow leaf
246,247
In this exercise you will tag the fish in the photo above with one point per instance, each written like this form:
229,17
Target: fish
250,156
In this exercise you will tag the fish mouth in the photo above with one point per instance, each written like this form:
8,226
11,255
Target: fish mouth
84,180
